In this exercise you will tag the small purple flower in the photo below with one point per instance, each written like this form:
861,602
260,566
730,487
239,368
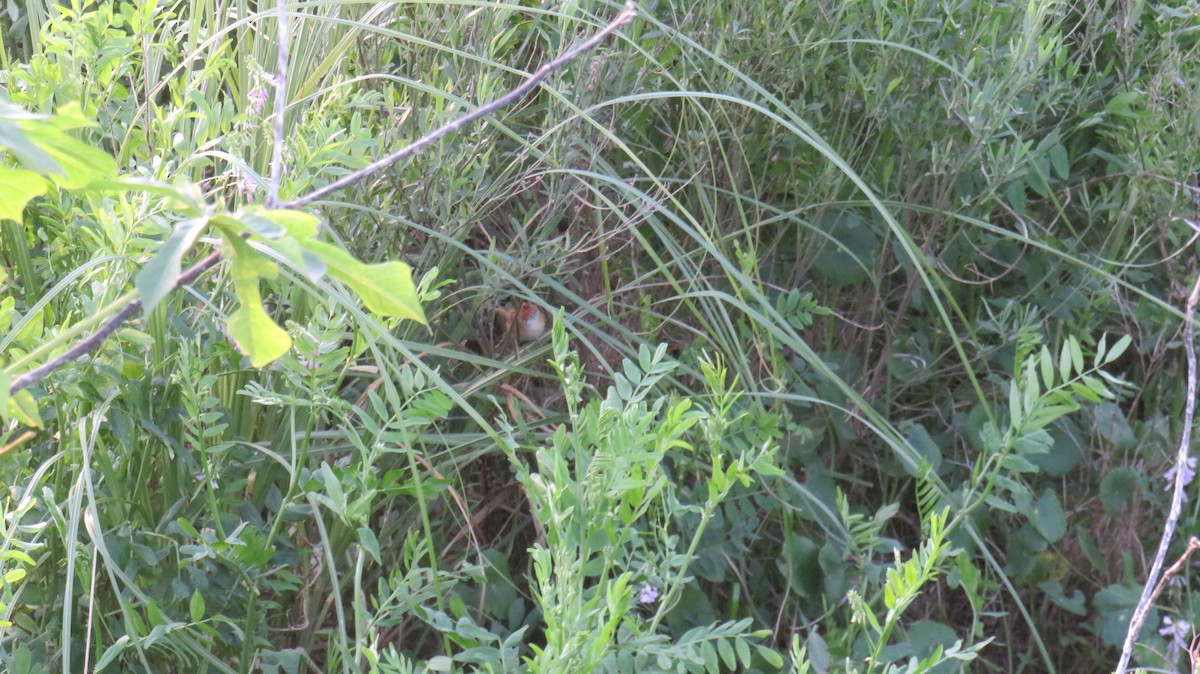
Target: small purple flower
246,186
1188,473
648,594
257,99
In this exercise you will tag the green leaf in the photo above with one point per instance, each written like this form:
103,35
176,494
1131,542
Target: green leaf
1076,354
13,138
1121,105
925,446
1099,357
386,289
264,227
1046,361
79,163
251,328
726,653
1049,518
17,187
1072,604
196,606
1113,607
1058,160
256,334
1117,490
22,406
112,652
368,541
297,223
158,278
1064,362
1118,349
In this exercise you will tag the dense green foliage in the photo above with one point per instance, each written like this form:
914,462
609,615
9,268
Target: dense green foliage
865,349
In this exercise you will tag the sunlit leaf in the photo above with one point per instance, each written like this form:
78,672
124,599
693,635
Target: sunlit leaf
386,289
297,223
256,334
79,163
250,327
23,407
17,187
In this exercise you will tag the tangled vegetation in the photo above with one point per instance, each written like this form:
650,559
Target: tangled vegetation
764,336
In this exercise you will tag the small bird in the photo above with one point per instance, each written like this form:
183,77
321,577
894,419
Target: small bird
531,322
526,323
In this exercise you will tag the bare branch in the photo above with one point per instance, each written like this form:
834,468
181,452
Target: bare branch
507,99
93,341
1181,456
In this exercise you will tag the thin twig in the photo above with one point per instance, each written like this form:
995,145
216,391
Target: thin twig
1181,456
507,99
280,104
93,341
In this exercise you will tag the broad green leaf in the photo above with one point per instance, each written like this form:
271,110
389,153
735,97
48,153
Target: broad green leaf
251,328
297,223
17,187
248,264
386,289
33,328
925,446
999,503
1014,463
160,274
368,541
1049,518
23,407
256,334
1058,160
79,163
1075,603
1085,392
30,155
264,227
